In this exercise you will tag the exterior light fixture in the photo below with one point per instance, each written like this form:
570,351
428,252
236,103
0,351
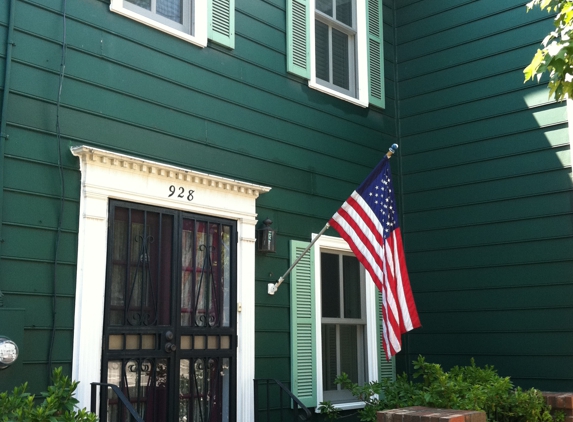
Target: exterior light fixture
266,237
8,352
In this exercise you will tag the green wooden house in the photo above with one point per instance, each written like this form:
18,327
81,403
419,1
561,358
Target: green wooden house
143,143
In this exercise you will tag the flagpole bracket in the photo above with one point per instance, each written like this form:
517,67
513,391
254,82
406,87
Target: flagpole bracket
273,287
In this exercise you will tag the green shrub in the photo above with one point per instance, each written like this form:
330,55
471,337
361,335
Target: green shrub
464,388
59,404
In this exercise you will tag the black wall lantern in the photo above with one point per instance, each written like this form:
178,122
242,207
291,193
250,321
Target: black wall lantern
266,237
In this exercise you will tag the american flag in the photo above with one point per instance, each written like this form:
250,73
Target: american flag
368,221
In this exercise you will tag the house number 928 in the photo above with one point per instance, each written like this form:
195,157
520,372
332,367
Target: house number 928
180,192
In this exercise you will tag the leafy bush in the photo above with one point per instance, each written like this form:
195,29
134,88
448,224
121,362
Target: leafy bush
464,388
58,405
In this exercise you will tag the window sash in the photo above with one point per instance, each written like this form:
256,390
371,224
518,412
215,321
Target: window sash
326,71
333,350
185,26
195,14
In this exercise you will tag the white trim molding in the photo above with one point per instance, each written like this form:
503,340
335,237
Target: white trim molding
107,175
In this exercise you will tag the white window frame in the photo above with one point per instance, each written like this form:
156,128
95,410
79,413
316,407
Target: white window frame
194,31
339,245
361,58
107,175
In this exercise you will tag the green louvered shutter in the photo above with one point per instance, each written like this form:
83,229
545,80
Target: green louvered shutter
303,326
222,22
385,368
375,53
298,37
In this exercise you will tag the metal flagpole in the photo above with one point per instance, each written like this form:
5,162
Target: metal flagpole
272,288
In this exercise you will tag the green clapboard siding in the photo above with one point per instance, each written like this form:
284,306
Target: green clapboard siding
229,109
486,192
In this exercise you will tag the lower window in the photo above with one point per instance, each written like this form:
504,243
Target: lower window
343,323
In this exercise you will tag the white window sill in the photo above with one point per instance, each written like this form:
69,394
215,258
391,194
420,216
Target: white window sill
362,103
345,406
200,27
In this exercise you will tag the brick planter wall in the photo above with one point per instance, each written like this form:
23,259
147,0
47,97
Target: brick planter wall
562,402
430,414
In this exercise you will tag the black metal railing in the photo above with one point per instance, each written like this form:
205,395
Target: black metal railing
276,405
124,400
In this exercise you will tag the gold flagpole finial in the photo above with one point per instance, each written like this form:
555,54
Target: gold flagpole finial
392,150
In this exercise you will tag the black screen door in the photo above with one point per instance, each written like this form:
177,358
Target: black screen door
170,316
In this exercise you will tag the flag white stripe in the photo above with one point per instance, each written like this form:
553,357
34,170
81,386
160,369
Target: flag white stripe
400,289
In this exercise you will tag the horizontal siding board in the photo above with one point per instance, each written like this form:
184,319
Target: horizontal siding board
39,177
544,227
541,205
272,344
494,20
32,145
495,190
303,157
268,318
184,114
476,110
492,255
479,48
495,126
487,149
476,69
35,277
413,10
265,12
270,367
63,342
501,168
39,211
486,300
141,53
521,275
256,30
31,243
497,320
483,88
508,344
41,316
428,22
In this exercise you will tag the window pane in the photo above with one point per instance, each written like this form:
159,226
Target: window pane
344,11
325,6
329,366
351,283
171,9
321,44
340,65
146,4
330,285
349,351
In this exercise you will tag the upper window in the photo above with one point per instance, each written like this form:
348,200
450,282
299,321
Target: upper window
194,21
337,45
174,13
